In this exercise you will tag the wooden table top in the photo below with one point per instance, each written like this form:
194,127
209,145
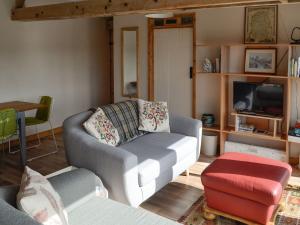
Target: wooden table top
21,106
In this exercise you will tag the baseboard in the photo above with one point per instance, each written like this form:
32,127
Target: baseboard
33,137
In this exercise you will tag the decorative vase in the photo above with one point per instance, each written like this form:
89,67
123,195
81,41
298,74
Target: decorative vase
207,66
208,120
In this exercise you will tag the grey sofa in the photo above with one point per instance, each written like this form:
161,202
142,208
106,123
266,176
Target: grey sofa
134,171
77,191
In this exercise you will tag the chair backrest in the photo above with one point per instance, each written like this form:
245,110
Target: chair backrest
8,123
44,113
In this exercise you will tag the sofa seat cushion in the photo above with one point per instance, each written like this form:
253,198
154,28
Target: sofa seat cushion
98,211
248,177
158,152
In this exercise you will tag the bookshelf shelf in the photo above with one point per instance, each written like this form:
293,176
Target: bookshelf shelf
215,128
256,135
258,116
257,75
247,75
245,45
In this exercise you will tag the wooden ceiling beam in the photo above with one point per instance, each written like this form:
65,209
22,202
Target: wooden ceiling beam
103,8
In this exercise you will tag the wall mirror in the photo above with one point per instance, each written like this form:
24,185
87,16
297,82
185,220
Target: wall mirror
129,54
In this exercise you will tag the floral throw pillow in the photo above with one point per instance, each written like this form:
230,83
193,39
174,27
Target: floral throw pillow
99,126
153,116
39,200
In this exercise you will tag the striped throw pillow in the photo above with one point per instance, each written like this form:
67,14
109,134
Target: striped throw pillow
124,117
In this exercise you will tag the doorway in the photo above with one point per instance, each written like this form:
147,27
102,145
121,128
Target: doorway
171,63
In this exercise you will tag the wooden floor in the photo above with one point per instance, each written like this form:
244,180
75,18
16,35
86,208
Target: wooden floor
171,202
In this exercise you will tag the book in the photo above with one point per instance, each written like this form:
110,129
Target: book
294,67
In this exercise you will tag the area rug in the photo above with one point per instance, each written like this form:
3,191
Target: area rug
290,215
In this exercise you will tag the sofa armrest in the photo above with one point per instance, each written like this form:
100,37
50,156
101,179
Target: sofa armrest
116,167
77,186
12,216
186,126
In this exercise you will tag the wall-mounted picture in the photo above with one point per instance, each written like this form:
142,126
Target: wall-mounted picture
261,24
260,60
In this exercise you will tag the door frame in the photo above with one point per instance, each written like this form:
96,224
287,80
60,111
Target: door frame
151,29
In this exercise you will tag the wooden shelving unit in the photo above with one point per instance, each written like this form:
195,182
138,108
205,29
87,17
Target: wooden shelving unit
219,101
215,128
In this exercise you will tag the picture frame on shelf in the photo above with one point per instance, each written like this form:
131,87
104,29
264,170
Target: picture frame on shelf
261,24
261,61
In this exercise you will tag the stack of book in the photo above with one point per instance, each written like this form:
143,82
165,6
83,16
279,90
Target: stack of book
295,67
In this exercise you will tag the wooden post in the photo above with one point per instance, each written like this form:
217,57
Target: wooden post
275,128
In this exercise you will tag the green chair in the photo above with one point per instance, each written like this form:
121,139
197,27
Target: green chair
8,126
42,116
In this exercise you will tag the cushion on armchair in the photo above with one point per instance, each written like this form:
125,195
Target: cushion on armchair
124,117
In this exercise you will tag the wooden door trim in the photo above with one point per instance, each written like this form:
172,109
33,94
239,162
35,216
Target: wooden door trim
151,29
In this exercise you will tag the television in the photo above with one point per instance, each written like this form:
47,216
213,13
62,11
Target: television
258,98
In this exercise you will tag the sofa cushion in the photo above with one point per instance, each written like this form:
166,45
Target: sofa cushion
153,116
157,152
124,117
99,126
98,211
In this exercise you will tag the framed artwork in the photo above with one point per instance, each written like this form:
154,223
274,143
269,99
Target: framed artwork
261,24
260,60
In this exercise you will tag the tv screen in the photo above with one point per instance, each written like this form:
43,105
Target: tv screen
258,98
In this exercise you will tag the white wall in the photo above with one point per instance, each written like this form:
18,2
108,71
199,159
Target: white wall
139,21
65,59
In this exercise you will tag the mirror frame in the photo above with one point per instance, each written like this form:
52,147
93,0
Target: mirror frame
124,29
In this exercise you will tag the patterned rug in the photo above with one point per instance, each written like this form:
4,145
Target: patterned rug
290,215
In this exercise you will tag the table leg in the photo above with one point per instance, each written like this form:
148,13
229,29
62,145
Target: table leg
22,136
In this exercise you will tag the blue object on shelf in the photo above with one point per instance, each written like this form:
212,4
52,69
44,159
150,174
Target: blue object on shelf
208,120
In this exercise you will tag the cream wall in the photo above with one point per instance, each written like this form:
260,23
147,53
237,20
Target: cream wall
65,59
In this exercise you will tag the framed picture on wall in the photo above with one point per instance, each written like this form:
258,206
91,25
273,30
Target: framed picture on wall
261,24
260,60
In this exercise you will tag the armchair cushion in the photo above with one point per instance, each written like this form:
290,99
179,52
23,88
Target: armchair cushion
124,117
158,152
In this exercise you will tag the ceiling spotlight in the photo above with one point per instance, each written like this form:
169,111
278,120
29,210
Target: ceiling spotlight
160,15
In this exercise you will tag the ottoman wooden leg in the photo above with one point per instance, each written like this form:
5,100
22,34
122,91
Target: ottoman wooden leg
207,214
187,172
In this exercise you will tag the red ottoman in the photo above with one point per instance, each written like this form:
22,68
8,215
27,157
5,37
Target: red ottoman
245,187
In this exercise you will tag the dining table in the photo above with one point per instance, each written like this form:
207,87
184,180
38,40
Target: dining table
21,107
